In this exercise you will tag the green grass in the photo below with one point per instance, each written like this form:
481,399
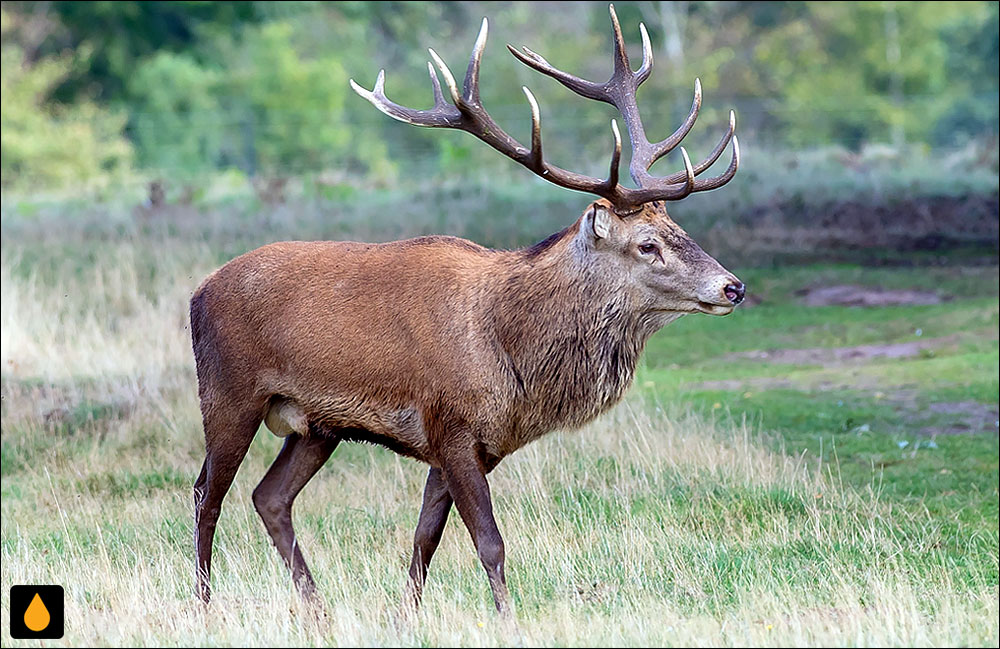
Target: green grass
728,501
870,423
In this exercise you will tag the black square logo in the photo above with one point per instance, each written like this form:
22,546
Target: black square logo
36,612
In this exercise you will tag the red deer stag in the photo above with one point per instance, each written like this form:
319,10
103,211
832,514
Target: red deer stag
440,349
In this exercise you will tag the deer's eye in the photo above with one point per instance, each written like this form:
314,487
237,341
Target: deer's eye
647,248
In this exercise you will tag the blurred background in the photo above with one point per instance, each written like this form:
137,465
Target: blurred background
843,108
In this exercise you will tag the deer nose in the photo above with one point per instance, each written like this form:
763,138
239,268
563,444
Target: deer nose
735,292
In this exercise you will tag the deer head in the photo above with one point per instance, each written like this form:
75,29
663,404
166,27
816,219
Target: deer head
662,267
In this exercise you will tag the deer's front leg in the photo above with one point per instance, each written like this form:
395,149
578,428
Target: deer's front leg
466,479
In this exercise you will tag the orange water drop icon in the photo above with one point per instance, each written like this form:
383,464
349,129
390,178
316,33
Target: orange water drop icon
36,617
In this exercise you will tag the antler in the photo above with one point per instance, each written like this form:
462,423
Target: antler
468,114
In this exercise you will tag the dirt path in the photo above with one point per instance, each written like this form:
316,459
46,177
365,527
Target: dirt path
963,417
831,356
849,295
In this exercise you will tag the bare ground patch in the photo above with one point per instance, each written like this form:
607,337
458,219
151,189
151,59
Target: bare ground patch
848,295
828,356
963,417
733,385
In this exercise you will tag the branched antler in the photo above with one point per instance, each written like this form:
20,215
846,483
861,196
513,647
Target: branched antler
467,114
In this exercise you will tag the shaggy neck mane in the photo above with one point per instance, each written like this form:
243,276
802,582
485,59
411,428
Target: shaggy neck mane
569,333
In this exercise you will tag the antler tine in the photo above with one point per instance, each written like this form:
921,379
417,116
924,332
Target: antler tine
725,177
670,192
471,86
647,57
616,157
436,86
712,157
663,147
689,173
582,87
535,158
442,115
449,78
622,66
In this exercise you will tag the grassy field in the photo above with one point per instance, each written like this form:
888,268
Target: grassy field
790,475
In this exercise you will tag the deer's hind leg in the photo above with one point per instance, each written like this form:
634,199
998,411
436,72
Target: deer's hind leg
229,429
299,460
433,516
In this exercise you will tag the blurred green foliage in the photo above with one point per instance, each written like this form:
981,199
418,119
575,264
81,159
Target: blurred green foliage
260,107
197,87
47,143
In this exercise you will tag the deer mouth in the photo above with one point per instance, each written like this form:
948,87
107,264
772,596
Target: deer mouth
710,308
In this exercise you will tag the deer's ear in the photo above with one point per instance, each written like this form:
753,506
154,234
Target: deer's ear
600,221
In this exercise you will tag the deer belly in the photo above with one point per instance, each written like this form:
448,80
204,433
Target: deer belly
399,429
285,417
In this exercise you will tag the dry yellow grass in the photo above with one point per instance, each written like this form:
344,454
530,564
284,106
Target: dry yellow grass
651,526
